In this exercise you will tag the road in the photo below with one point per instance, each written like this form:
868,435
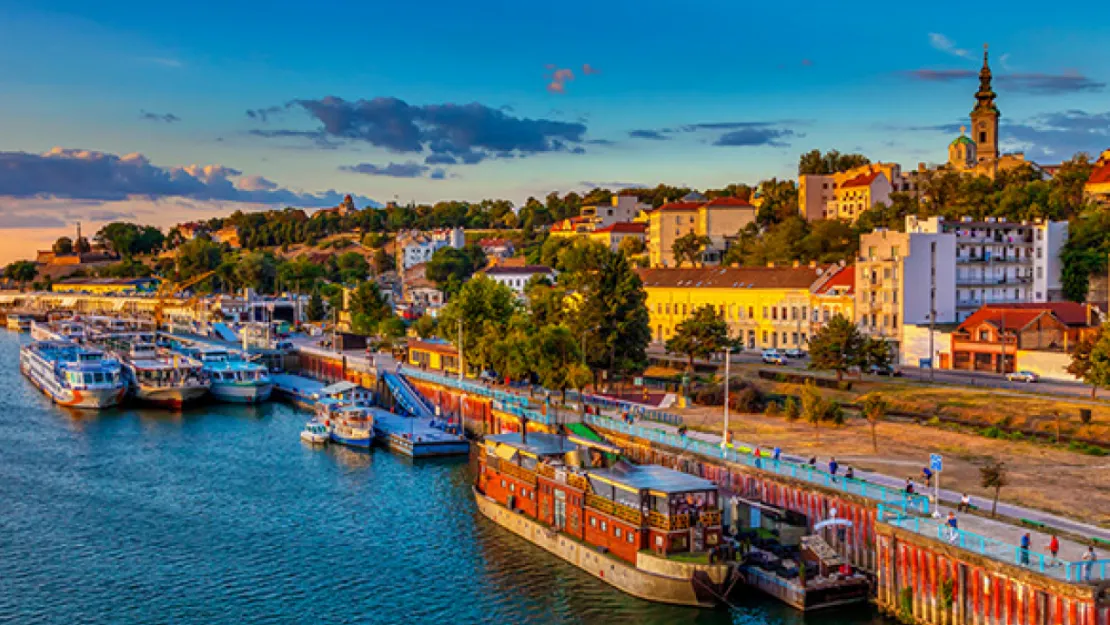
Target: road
973,379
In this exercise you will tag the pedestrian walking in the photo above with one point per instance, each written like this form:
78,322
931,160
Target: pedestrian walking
1054,546
909,486
777,454
927,475
813,461
1025,540
965,503
850,473
953,527
758,458
1089,563
833,466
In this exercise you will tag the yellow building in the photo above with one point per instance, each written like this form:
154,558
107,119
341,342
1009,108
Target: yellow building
765,307
105,286
720,219
843,195
433,356
611,236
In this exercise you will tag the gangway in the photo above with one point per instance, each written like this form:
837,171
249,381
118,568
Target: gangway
407,396
224,332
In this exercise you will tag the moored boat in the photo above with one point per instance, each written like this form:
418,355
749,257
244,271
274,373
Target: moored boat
315,433
233,378
158,376
652,532
19,323
73,375
348,424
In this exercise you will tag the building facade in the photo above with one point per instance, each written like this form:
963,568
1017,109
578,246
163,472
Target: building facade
1098,185
621,208
902,278
764,307
611,236
999,261
517,277
720,220
415,247
844,195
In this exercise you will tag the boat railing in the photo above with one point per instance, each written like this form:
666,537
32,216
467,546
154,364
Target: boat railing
577,481
710,517
546,470
613,508
669,523
519,472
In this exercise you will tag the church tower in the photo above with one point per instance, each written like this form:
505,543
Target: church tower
984,118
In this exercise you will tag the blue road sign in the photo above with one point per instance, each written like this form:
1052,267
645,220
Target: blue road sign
936,463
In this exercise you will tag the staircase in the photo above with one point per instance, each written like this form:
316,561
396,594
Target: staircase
224,333
407,397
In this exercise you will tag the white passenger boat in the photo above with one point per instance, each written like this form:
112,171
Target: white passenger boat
73,375
19,323
315,433
156,375
233,379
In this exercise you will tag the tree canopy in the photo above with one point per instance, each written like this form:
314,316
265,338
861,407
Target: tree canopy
700,335
831,162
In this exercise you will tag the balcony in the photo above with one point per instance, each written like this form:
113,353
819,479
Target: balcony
519,473
671,523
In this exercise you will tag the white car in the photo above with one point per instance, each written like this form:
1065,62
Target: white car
1022,376
773,357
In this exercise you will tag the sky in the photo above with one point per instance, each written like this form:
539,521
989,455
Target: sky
163,113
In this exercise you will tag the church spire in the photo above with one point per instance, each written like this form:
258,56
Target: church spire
985,96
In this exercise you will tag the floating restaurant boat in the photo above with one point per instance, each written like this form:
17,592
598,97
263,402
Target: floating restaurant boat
233,378
73,375
158,376
59,330
19,323
645,529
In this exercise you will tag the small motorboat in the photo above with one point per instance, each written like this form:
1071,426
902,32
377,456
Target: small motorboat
315,433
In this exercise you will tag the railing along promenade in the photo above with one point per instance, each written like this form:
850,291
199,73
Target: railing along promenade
1071,571
504,401
803,472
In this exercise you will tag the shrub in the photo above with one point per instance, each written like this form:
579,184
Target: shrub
792,409
772,409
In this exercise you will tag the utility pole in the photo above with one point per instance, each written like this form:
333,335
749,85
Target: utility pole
725,434
460,351
932,308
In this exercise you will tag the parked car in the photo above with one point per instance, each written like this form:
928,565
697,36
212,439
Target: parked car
888,370
773,357
1022,376
795,353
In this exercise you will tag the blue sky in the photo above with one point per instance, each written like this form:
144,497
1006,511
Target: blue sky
378,99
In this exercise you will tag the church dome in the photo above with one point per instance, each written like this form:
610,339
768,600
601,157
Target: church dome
962,139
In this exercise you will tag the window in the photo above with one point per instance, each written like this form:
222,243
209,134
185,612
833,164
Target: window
604,526
793,313
751,312
512,487
616,531
684,309
593,521
631,537
764,337
764,312
775,313
668,309
984,335
502,483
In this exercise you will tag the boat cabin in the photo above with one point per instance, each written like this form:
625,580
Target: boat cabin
347,393
582,487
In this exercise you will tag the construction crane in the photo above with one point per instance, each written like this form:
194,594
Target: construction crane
168,288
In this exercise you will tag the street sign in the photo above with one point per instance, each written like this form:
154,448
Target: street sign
936,462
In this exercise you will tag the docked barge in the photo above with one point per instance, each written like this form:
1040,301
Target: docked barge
652,532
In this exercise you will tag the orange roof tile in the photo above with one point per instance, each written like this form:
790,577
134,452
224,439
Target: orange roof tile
1100,174
730,201
862,180
845,277
681,206
1071,313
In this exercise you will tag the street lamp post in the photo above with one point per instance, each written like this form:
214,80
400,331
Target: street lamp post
725,434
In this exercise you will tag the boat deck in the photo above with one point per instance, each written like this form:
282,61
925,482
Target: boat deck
416,438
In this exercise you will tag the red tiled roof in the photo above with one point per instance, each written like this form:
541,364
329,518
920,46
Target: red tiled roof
493,242
627,227
730,201
1100,174
845,277
1071,313
1007,319
732,277
681,206
862,180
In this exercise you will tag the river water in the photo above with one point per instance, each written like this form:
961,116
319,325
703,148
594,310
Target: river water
220,514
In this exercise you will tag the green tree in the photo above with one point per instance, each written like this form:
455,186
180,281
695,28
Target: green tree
64,245
688,248
21,271
875,354
813,407
196,257
874,409
128,239
831,162
994,475
837,346
425,327
256,270
700,335
632,246
315,310
483,307
392,328
556,351
1090,361
449,268
367,307
353,268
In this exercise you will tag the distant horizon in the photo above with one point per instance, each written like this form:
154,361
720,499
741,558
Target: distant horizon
168,114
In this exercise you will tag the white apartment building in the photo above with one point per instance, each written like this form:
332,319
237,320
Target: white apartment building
895,274
415,247
622,208
999,261
517,277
